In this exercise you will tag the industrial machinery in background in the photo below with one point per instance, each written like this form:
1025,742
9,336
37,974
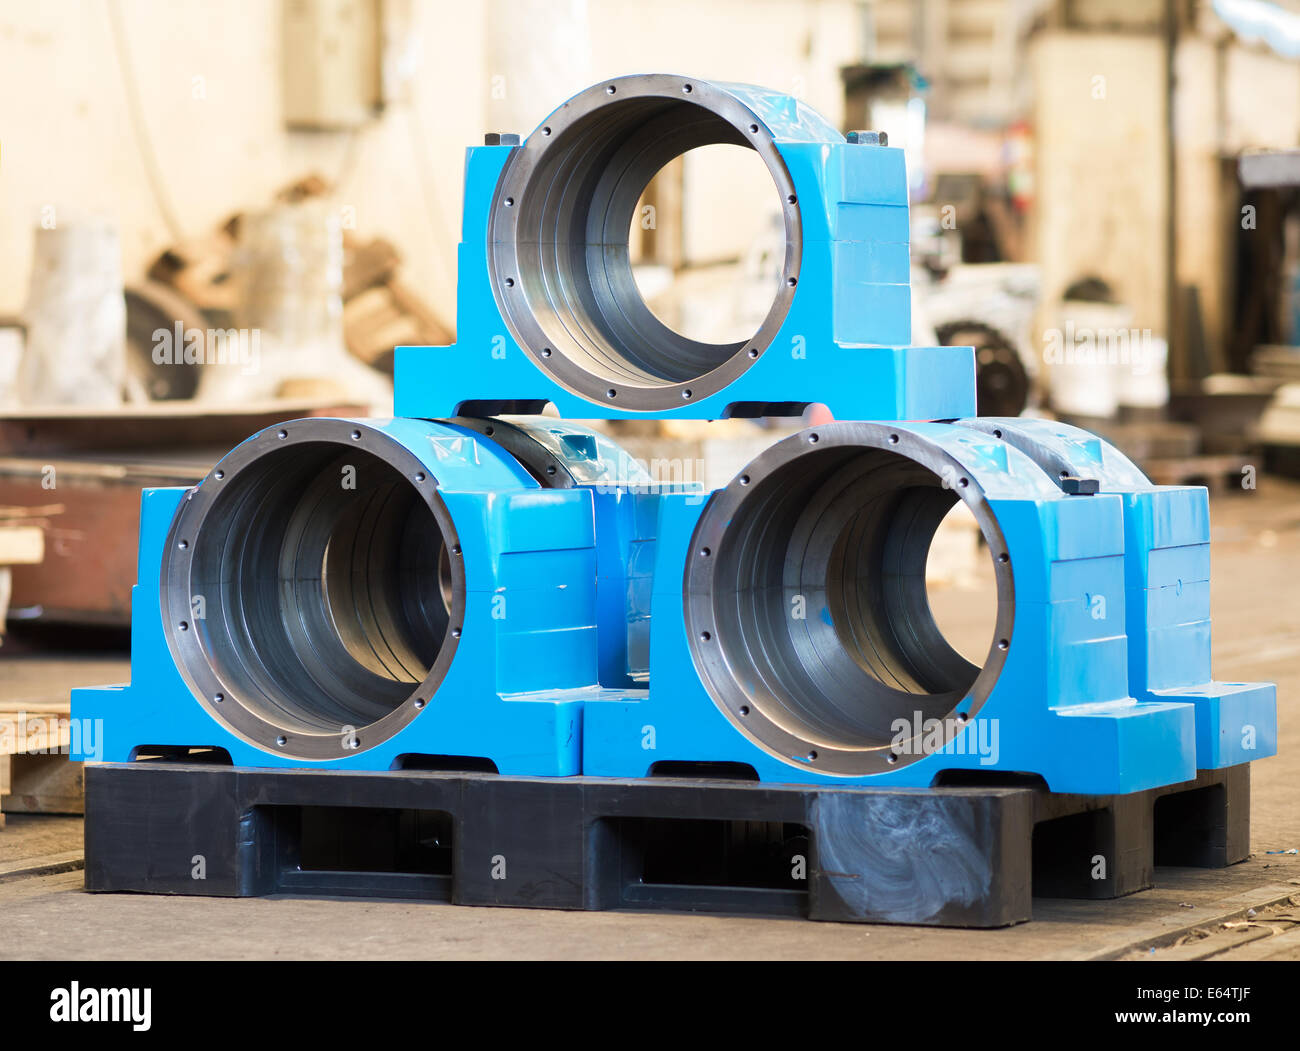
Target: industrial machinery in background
1002,383
478,655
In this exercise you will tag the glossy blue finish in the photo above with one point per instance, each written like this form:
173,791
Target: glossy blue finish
1061,707
843,343
514,692
1167,583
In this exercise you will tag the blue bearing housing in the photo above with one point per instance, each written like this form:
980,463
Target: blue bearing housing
791,634
368,595
625,505
548,310
1167,580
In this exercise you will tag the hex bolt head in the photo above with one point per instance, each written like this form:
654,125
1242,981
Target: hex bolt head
1079,486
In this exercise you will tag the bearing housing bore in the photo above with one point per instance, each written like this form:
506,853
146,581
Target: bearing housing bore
558,241
313,588
805,599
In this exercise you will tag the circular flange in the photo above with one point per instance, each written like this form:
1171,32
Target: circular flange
805,600
313,589
558,241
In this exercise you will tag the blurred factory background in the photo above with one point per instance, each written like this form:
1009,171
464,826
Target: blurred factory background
220,215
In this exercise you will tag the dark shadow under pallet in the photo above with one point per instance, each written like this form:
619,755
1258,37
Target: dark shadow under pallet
969,855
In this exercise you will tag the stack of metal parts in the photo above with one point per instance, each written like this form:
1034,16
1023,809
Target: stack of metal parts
457,591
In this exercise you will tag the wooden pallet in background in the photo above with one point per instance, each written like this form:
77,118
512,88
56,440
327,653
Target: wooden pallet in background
36,775
21,544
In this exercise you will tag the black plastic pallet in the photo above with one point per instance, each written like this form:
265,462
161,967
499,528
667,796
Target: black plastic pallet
967,855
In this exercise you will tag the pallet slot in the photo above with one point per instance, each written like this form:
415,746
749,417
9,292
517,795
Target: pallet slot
709,865
1191,828
708,771
371,851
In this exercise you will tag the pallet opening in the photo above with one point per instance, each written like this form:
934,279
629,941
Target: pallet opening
468,764
707,865
365,851
208,755
703,771
987,779
1071,858
1191,828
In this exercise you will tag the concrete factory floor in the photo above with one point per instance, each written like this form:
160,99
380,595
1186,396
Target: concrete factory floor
46,915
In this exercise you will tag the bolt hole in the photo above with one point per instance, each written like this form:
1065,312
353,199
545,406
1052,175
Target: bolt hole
744,709
1004,558
792,281
792,199
282,434
687,89
183,544
282,740
455,633
356,436
218,475
812,757
546,352
744,479
184,625
610,89
546,130
550,470
705,636
510,202
218,697
892,758
705,552
753,352
997,434
611,393
419,476
963,482
1003,644
814,438
893,439
753,129
419,702
510,282
455,549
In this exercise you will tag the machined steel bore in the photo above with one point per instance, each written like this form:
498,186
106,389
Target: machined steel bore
558,241
806,605
313,589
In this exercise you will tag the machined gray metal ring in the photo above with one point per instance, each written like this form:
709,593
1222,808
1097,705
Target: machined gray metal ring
558,241
561,454
310,618
544,463
805,597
